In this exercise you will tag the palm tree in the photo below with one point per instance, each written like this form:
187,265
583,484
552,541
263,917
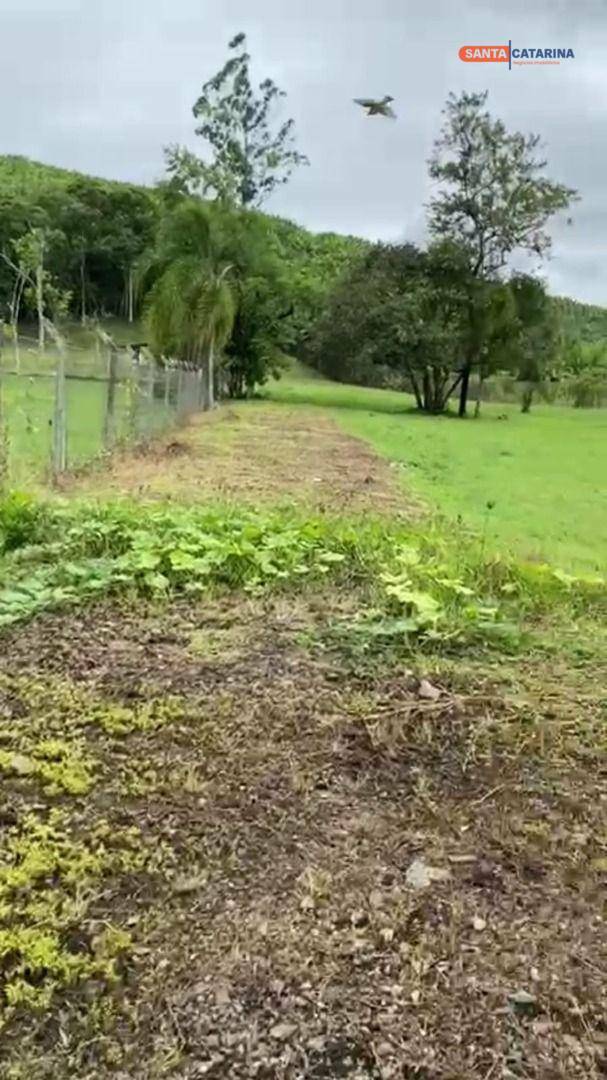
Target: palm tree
190,309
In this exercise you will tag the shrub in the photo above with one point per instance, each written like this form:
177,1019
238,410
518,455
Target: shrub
22,521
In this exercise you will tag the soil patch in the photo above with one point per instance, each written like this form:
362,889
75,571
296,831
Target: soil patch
332,875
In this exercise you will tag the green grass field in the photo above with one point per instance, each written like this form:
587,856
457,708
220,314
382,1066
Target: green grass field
544,473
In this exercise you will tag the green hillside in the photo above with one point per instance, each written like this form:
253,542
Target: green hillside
585,322
26,177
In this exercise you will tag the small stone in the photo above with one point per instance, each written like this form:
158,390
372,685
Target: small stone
283,1031
317,1043
359,917
384,1049
428,691
542,1027
523,1001
478,923
222,996
420,875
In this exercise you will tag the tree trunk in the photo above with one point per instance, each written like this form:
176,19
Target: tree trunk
418,396
479,398
463,390
211,375
40,302
131,295
83,288
527,399
15,309
15,330
427,391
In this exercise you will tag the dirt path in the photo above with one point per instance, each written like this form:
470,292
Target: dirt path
331,875
256,453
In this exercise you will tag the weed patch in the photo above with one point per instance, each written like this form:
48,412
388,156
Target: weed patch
420,584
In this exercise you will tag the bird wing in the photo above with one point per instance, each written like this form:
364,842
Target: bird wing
389,111
367,103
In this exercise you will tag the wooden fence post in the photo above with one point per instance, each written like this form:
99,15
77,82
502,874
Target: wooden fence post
3,421
60,414
109,421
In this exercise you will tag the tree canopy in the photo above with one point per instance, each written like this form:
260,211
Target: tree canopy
493,198
247,157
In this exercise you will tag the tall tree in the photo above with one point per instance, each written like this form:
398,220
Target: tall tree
248,159
494,198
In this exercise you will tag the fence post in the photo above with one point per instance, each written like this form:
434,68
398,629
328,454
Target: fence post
3,420
60,414
180,374
190,400
134,402
109,421
205,385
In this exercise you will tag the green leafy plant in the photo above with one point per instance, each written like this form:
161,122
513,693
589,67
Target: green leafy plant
444,586
22,521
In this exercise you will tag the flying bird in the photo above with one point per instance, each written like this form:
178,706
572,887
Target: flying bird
377,108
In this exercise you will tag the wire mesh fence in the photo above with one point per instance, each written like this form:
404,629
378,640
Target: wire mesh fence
59,410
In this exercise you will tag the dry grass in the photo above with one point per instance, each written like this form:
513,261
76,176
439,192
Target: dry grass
291,797
255,453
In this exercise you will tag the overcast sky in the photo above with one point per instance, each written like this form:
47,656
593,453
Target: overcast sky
103,85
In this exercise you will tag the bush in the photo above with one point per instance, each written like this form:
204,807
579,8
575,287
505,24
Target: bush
22,521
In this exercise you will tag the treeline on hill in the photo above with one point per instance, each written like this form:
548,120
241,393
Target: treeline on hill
84,248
